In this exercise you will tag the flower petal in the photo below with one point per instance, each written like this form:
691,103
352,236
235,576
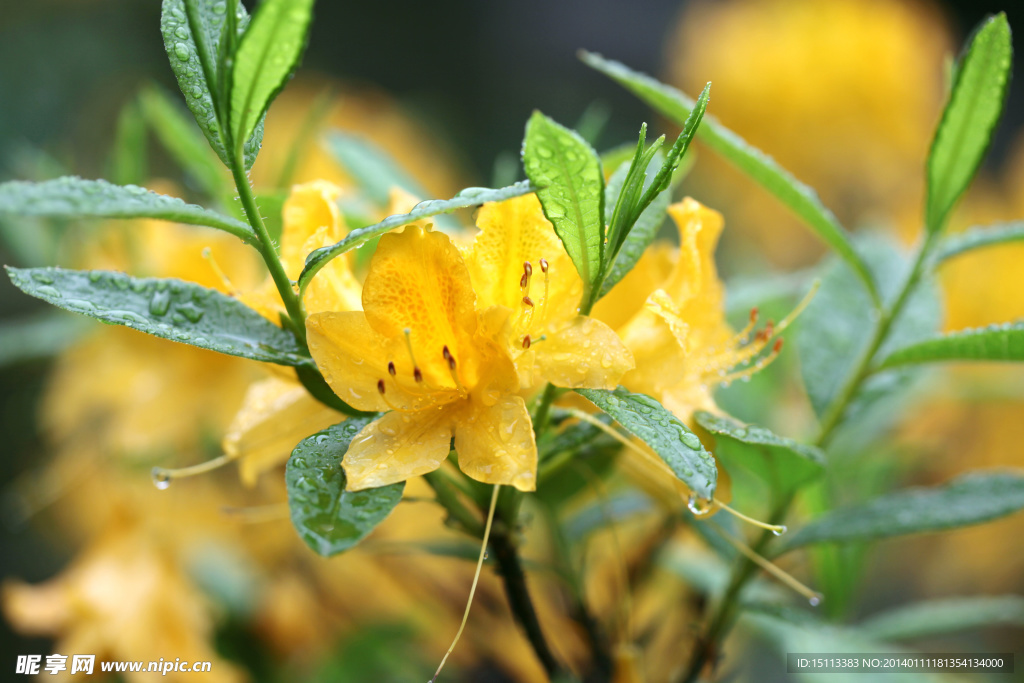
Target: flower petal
513,232
310,208
587,353
495,443
398,446
275,415
417,281
354,359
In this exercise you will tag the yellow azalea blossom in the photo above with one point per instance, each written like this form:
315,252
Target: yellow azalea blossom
310,220
679,337
420,349
855,86
517,263
123,599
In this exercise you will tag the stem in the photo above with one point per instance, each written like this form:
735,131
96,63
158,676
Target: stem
292,305
723,618
543,412
721,621
510,568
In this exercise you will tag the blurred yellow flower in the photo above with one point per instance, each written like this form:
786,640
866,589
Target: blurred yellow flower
843,93
518,263
420,349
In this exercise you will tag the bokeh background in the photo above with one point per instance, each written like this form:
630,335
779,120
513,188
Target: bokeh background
844,93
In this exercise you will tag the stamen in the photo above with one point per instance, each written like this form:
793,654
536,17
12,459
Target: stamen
476,578
544,265
416,374
163,476
781,327
380,387
228,287
526,342
813,597
528,301
761,364
391,369
777,529
524,281
452,369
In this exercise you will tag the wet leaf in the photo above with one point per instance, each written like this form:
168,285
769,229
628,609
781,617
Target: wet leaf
969,119
570,184
649,421
471,196
1003,342
979,237
784,464
72,197
167,308
945,615
328,518
970,499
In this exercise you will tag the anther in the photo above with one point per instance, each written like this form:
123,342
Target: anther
544,265
528,301
391,369
417,375
778,345
753,315
380,386
526,342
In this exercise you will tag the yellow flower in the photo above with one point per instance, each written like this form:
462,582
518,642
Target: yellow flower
310,220
518,263
845,94
678,335
420,349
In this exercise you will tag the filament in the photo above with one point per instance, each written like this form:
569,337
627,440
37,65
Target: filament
813,597
163,476
776,529
815,286
476,578
219,272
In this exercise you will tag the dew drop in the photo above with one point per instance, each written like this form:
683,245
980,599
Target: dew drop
181,51
181,32
690,441
781,530
161,478
697,506
815,600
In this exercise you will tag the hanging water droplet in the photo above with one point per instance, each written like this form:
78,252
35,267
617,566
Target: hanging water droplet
161,478
781,529
815,600
695,505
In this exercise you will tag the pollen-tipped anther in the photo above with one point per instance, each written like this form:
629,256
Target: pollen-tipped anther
528,301
544,265
380,386
391,368
526,342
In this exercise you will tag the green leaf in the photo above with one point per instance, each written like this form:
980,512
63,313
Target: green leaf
969,119
371,168
128,158
785,464
646,419
570,185
836,327
970,499
167,308
945,615
193,31
760,167
267,55
40,336
643,231
182,140
471,196
328,518
72,197
979,237
1003,342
